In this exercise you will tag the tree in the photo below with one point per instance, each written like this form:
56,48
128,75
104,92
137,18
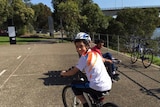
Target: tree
95,18
69,13
115,27
3,12
138,22
21,15
41,16
86,15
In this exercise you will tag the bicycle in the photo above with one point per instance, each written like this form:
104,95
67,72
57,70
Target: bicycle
141,51
70,100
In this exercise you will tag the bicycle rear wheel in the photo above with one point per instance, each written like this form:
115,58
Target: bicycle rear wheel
69,99
134,55
147,58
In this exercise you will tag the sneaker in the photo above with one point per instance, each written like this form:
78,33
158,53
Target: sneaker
116,77
114,81
114,72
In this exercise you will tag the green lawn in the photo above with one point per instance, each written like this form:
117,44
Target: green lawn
156,60
6,40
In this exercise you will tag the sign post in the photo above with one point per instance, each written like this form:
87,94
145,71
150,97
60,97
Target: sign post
12,34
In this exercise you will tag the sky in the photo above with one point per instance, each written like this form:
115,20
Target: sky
106,4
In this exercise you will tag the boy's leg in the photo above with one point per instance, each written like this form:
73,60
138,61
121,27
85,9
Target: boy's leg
113,68
82,99
78,88
107,55
109,69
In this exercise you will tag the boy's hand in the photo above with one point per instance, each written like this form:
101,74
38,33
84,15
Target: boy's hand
108,60
62,73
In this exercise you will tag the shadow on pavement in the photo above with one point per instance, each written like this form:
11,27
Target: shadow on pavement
152,92
130,65
143,89
54,78
109,104
155,90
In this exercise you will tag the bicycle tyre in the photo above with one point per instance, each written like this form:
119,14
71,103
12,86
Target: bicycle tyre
134,55
69,99
147,58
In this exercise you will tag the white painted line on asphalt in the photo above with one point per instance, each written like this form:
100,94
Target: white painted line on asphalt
19,57
15,70
1,73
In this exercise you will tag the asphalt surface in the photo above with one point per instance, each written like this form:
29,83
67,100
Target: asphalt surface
29,77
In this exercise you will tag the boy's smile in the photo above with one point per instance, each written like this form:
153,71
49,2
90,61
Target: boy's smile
81,48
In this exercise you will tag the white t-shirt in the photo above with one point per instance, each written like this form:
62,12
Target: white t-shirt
95,70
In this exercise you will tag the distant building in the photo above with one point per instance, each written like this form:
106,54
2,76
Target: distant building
156,33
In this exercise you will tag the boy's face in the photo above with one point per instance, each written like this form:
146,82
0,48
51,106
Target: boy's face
100,45
81,48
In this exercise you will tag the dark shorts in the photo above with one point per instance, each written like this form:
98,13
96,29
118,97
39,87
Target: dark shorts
79,87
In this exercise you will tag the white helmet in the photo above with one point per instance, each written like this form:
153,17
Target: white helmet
84,36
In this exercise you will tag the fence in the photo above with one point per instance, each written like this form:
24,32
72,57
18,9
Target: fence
121,43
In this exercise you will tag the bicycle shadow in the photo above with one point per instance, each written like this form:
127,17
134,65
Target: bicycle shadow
131,65
109,104
54,78
152,92
155,90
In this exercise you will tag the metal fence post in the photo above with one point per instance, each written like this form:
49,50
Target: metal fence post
93,38
99,36
107,42
118,43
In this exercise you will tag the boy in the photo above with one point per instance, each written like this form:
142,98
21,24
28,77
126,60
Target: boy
107,59
91,62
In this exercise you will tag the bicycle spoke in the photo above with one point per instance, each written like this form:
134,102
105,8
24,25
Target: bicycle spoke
69,99
148,58
134,55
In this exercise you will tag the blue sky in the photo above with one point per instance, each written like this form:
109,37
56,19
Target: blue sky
126,3
112,3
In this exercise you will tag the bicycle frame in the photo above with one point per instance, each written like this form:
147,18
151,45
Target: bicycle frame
75,101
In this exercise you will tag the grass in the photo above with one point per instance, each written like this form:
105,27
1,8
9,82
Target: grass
156,60
6,40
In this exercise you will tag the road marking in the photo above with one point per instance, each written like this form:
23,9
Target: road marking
19,57
15,70
3,72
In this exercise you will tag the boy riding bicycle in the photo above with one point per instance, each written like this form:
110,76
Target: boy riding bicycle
91,62
107,59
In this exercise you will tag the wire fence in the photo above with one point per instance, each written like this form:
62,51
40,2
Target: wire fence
125,44
121,43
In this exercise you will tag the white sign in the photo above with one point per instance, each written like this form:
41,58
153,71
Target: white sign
11,31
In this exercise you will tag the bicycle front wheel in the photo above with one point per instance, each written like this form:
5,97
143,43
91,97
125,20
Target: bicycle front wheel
134,55
69,99
147,59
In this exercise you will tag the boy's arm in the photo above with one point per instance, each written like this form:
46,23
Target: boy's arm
70,72
107,60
